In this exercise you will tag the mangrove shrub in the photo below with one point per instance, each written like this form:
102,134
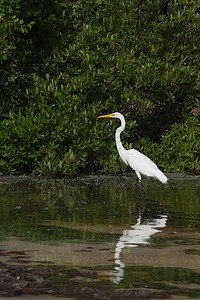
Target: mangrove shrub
63,63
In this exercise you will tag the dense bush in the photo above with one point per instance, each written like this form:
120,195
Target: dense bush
65,63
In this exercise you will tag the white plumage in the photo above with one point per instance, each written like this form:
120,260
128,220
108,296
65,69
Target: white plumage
133,158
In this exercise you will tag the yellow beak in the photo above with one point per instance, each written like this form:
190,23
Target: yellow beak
105,116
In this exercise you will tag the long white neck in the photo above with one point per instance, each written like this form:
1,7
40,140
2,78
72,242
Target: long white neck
120,148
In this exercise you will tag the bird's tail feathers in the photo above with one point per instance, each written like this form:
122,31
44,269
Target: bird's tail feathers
161,176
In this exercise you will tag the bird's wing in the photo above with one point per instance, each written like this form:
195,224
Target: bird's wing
141,163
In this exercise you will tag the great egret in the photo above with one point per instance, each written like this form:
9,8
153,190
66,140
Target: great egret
139,162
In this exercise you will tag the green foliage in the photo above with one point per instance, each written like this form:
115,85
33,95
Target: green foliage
178,150
180,147
13,31
64,63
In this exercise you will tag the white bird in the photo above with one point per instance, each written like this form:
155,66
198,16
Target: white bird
139,162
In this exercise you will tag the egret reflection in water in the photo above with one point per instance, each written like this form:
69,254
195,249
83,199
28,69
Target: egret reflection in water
138,234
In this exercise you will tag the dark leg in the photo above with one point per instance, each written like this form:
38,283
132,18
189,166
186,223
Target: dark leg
142,190
142,203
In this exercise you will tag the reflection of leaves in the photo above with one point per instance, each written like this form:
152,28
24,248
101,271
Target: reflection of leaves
102,202
166,241
155,275
192,251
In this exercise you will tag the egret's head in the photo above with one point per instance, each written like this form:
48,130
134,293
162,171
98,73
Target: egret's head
113,115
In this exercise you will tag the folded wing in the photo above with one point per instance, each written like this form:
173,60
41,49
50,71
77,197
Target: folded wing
142,164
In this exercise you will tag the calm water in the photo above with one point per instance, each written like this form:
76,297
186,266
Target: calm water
103,223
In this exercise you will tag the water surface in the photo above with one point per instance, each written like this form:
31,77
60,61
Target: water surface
104,224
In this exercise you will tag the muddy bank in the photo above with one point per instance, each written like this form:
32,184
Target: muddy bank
18,280
29,282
